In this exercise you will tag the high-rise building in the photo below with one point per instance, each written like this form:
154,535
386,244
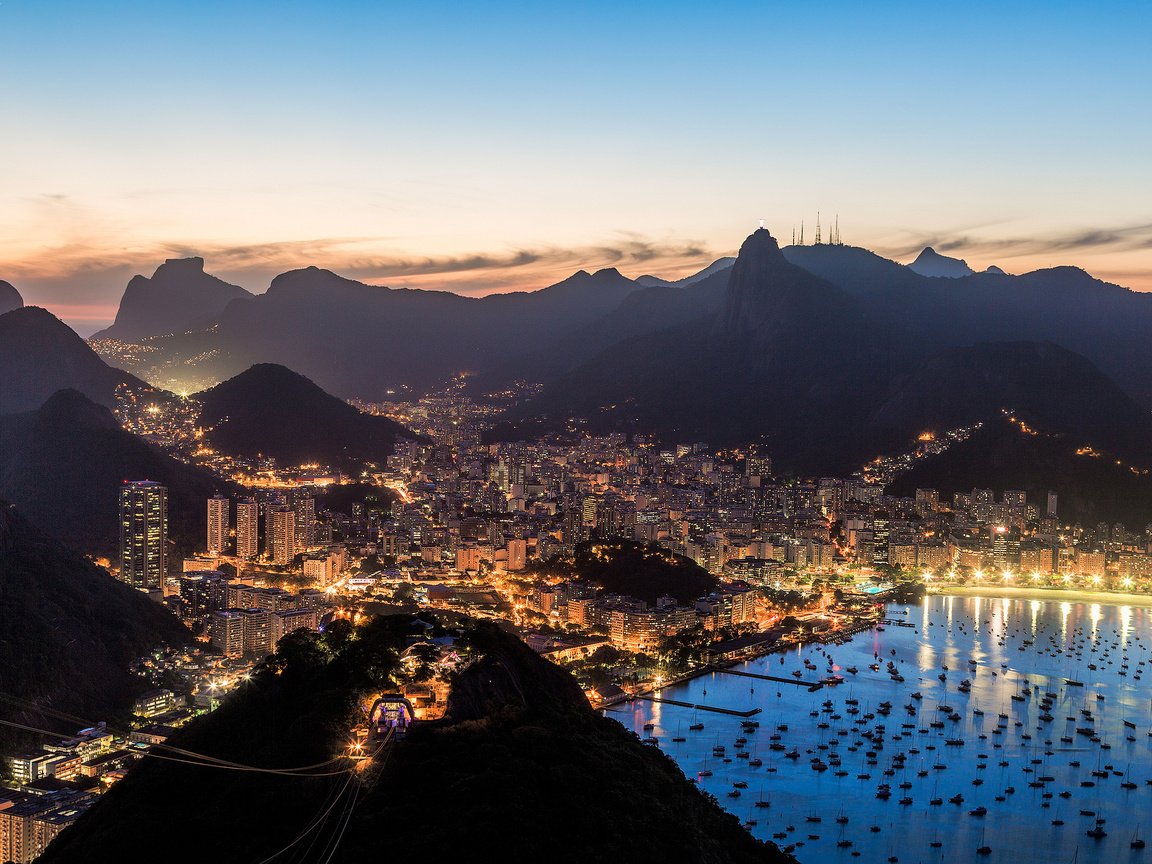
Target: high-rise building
218,519
247,529
880,531
143,533
282,539
1051,509
257,632
305,508
1016,498
226,630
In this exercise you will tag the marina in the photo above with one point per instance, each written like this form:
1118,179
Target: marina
979,727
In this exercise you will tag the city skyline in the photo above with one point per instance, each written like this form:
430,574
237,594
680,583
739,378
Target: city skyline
441,148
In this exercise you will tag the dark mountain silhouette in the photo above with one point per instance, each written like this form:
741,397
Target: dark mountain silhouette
786,352
62,466
9,297
519,756
325,326
857,271
70,632
643,311
1106,323
1048,387
795,361
180,296
271,411
931,263
642,570
358,340
1091,488
40,354
715,267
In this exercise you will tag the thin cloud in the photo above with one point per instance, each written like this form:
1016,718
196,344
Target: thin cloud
86,272
1126,238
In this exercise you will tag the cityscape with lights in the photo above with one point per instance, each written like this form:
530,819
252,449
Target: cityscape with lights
666,433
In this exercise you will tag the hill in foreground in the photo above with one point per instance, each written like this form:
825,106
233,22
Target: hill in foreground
519,769
69,630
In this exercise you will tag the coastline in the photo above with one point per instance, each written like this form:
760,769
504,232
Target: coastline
1058,595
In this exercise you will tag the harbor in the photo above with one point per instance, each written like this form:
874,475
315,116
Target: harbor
963,727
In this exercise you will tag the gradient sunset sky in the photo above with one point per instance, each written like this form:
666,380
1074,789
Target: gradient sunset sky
492,146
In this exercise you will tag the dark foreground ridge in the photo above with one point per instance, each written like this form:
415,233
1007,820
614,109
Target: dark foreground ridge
68,632
519,769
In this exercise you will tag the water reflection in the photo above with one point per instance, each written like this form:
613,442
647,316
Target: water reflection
1020,659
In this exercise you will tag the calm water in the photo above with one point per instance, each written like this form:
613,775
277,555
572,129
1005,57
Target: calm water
1065,640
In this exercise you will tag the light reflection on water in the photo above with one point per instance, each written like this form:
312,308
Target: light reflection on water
944,633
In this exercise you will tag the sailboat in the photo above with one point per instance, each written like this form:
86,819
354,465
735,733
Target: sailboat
983,848
1137,843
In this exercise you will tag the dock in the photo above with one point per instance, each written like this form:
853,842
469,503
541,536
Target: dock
895,622
730,711
811,685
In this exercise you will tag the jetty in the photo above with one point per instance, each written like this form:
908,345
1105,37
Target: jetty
714,709
811,685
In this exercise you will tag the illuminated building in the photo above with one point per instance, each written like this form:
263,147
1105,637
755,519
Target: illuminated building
202,593
143,533
282,535
927,500
247,528
517,555
218,519
154,703
256,632
305,509
28,823
289,620
226,630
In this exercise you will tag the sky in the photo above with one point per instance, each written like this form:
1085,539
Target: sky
497,146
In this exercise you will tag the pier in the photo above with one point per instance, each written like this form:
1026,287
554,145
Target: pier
896,622
729,711
811,685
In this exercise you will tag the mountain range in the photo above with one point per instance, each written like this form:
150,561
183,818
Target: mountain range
419,339
827,354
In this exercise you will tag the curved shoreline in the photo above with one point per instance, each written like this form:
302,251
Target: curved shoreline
1058,595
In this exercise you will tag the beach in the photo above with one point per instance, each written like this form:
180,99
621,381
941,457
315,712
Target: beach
1059,595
